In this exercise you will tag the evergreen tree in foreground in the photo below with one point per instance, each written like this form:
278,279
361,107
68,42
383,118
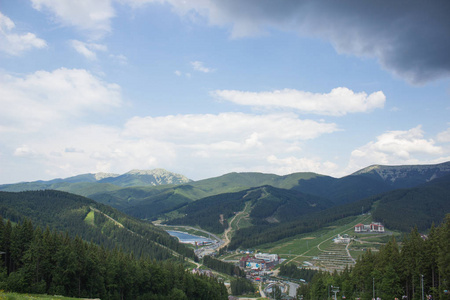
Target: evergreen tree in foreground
41,261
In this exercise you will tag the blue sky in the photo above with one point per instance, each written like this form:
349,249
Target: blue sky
208,87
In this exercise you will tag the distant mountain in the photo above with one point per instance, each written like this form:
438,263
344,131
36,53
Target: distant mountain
233,182
371,181
92,221
149,202
150,194
90,177
406,176
132,178
145,178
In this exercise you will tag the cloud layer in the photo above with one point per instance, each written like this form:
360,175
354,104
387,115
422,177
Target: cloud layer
339,102
396,147
93,17
408,38
43,125
31,102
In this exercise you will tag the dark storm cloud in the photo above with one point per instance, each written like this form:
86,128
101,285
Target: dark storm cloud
409,38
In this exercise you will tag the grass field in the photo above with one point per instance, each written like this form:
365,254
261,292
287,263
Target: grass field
318,249
90,218
15,296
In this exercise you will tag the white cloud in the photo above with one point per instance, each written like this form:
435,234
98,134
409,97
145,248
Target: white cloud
293,164
120,59
43,97
90,16
395,147
444,136
24,150
88,50
178,73
340,101
200,67
227,126
183,143
16,43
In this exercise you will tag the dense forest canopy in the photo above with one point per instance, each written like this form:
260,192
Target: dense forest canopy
46,262
92,221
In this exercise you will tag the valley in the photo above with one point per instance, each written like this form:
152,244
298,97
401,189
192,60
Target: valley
306,220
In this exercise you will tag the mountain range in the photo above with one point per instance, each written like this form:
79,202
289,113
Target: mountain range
275,202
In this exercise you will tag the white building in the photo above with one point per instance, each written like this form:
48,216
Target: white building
342,239
267,256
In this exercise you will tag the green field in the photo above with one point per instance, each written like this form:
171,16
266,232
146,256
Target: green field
90,218
314,246
15,296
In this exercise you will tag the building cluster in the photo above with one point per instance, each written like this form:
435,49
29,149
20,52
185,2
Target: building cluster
259,262
372,227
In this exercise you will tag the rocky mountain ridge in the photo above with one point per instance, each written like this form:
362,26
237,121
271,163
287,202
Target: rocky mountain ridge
408,173
132,178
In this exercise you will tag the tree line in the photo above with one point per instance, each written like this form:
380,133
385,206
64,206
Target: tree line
241,286
396,271
47,262
292,271
223,267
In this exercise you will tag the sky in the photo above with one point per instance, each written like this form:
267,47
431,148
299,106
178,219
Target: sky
207,87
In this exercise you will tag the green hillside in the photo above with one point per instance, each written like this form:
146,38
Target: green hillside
269,205
422,206
343,190
85,189
250,237
233,182
150,201
92,221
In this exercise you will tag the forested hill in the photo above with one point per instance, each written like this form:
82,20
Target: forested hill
92,221
421,206
268,205
39,261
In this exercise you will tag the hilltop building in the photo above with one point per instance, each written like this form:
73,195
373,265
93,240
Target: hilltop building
372,227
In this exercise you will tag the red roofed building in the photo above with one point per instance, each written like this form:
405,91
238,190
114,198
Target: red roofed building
376,227
373,227
359,228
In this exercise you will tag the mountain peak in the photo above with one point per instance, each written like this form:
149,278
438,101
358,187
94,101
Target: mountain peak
102,175
149,172
148,177
417,173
